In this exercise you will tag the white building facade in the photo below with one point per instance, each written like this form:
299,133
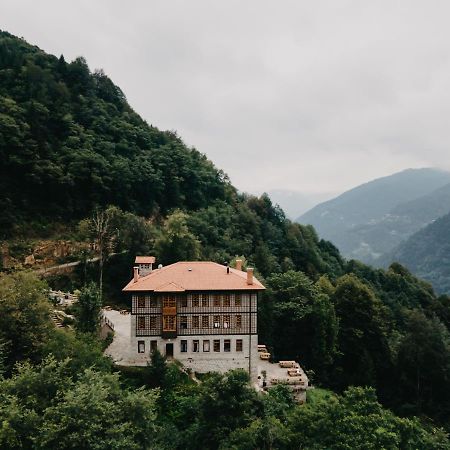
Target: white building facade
201,313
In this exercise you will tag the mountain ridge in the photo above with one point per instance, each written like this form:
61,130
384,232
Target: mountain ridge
369,220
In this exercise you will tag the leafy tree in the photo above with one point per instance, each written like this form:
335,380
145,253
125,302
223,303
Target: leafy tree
423,367
24,317
225,403
157,369
96,414
362,337
176,242
80,351
357,421
302,321
87,309
103,230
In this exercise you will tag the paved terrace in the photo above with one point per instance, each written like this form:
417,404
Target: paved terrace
119,350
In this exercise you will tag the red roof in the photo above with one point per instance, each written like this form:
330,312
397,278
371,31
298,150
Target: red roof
144,260
194,276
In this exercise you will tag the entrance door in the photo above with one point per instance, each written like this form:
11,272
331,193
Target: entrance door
169,350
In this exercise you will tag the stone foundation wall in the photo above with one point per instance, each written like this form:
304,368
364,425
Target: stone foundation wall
201,361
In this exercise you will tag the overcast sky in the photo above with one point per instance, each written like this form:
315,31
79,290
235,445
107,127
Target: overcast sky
311,96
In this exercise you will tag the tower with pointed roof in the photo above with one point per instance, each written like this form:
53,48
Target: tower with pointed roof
203,314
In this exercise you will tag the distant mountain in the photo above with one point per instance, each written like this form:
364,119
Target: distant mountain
295,203
427,254
374,218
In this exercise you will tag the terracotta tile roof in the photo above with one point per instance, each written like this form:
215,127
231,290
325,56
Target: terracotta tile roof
144,260
193,276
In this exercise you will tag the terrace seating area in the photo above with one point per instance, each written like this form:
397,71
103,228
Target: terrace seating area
288,373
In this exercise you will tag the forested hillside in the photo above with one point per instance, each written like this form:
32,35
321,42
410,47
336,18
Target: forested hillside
73,152
427,254
69,141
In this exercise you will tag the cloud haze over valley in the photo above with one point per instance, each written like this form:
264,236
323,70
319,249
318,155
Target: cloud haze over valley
314,97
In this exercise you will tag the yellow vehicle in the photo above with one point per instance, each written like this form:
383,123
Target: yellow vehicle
265,356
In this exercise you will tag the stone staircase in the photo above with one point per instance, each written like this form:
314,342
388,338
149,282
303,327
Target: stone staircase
56,320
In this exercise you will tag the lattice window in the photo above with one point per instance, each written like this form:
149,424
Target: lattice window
216,345
169,301
141,323
183,322
217,300
153,301
205,321
153,323
227,345
216,321
169,323
184,302
226,300
141,301
195,321
226,321
195,300
238,321
205,300
239,345
237,300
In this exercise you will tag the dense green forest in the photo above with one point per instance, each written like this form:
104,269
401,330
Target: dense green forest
72,150
427,253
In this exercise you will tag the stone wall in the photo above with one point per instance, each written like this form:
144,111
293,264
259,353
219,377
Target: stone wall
211,361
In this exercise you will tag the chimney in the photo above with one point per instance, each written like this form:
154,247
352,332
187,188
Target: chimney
249,275
239,264
135,274
228,268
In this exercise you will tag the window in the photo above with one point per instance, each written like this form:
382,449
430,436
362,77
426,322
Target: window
216,344
205,321
195,321
205,300
195,346
183,322
152,322
206,346
141,346
238,321
239,345
226,345
141,302
153,302
216,300
195,301
169,302
216,321
153,346
141,323
169,323
184,302
183,346
226,321
226,300
237,300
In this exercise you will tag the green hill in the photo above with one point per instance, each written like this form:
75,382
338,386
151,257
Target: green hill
427,254
69,141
